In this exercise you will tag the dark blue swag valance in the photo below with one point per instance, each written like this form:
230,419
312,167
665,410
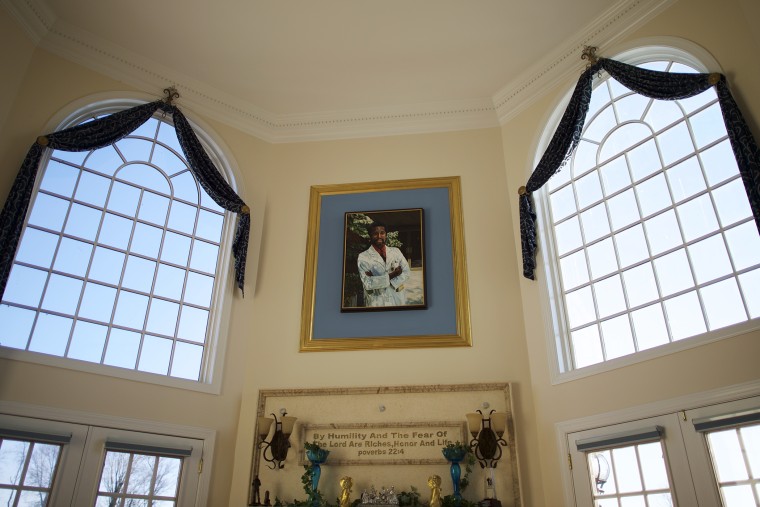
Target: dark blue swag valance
104,132
651,84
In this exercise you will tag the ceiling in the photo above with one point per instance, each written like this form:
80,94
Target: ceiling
278,66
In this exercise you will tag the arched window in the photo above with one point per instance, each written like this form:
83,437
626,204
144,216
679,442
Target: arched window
652,238
120,262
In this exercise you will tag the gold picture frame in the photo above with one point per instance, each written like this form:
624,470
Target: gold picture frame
446,320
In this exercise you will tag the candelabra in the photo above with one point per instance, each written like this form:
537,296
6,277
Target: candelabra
487,440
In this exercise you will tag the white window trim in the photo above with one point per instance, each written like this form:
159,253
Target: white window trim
59,415
547,269
689,402
212,369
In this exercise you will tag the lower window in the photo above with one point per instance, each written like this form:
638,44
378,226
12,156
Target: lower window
48,463
709,456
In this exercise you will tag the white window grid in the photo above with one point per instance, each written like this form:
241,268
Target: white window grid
130,478
638,476
35,464
587,341
161,134
735,454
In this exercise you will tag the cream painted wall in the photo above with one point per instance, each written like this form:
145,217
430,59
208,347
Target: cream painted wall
723,31
13,62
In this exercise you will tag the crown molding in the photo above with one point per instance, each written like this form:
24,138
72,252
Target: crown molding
146,75
606,30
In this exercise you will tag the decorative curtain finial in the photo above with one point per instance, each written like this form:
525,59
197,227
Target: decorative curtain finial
171,94
589,53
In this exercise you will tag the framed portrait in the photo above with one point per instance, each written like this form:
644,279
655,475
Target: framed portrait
336,314
383,260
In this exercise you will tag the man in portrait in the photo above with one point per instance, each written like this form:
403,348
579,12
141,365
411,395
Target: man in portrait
383,270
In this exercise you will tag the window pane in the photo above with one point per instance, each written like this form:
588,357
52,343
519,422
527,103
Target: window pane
686,179
723,304
25,286
673,272
42,466
83,222
155,355
145,176
744,245
107,265
37,247
51,334
653,195
726,453
97,302
176,249
170,281
92,189
573,268
122,348
663,232
580,306
587,348
563,203
187,361
623,139
185,187
631,107
182,217
135,150
153,208
210,226
675,143
167,160
59,179
87,342
130,310
708,126
73,257
631,246
139,274
105,161
601,258
199,289
16,328
609,296
12,456
649,325
685,316
732,203
595,223
147,240
626,470
710,259
62,294
618,339
204,256
598,127
749,283
141,474
169,471
589,190
163,317
192,324
644,160
640,285
615,175
48,212
124,199
719,163
116,231
623,210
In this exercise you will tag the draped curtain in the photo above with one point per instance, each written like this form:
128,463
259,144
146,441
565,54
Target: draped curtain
651,84
104,132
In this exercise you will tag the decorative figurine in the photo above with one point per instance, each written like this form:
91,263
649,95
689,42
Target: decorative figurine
434,483
256,498
345,491
266,498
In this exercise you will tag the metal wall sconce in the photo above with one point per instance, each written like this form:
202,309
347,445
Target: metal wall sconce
487,440
279,444
487,436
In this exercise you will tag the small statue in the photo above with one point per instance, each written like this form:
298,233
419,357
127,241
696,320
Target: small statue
365,497
392,497
256,488
434,483
345,491
266,498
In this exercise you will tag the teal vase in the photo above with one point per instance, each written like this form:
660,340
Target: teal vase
316,457
454,456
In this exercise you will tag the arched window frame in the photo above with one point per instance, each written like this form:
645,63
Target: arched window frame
210,376
552,300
